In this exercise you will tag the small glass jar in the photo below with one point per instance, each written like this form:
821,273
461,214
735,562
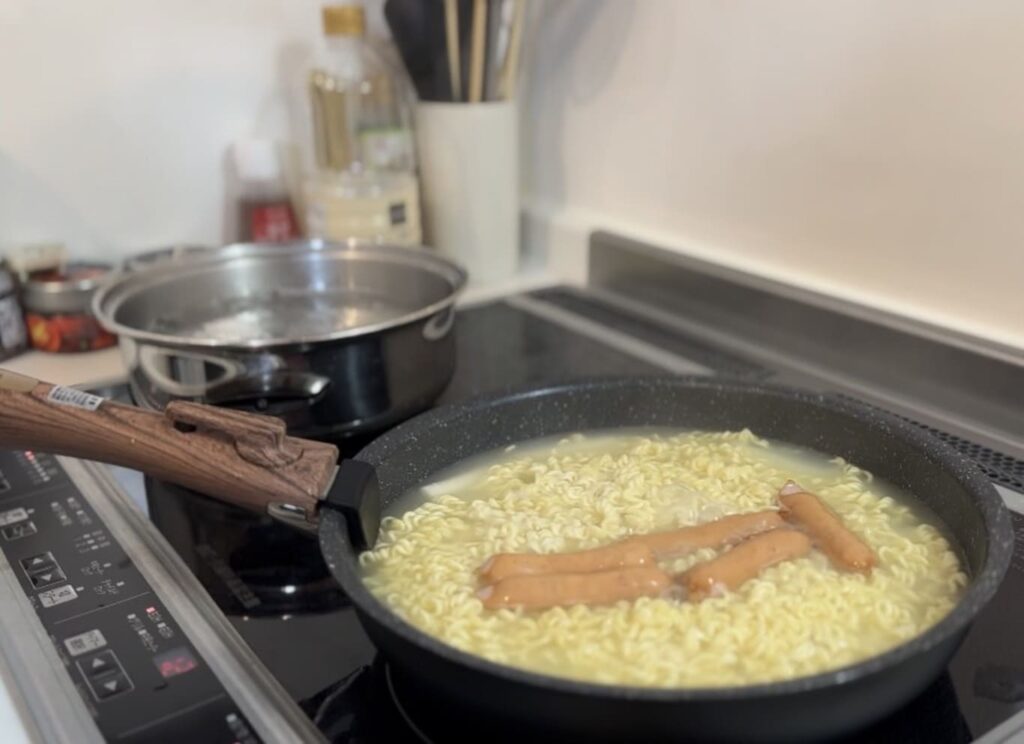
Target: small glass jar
58,308
13,339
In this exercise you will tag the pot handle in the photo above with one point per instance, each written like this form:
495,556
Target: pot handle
153,359
241,458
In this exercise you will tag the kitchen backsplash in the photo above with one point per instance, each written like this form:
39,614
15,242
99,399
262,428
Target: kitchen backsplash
861,147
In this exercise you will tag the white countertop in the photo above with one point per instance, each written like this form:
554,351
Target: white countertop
80,368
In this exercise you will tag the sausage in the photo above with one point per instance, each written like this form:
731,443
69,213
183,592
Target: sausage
639,550
725,531
552,590
846,551
622,554
744,562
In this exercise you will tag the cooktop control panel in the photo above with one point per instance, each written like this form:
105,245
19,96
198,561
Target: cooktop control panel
137,673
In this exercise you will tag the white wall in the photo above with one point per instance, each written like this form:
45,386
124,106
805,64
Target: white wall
115,115
864,147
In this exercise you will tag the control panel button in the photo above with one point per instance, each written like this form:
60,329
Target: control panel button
12,515
104,675
19,530
111,685
59,595
85,642
49,577
100,664
38,562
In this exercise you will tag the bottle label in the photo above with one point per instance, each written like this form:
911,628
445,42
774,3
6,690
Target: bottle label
387,149
273,223
392,217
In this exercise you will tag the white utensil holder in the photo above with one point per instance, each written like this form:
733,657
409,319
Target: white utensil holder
469,168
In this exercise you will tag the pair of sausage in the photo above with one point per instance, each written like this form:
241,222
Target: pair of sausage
726,572
745,561
640,550
627,569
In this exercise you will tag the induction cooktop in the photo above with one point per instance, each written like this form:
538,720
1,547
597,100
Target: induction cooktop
270,584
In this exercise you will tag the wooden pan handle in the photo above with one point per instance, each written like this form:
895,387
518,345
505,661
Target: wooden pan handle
241,458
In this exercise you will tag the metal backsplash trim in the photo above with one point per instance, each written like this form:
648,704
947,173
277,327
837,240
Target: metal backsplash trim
966,386
613,257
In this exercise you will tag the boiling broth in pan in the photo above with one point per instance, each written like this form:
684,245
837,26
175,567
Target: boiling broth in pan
796,618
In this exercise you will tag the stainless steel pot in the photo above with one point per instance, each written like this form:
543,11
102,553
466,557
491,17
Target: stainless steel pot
333,338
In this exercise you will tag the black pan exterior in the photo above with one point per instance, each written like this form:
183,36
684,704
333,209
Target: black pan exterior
800,709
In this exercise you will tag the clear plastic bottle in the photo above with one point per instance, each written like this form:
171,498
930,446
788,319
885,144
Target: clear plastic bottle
360,179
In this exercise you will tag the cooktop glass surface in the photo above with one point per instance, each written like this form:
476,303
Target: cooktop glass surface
272,584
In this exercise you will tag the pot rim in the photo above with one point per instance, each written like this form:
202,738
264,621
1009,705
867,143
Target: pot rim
125,285
343,561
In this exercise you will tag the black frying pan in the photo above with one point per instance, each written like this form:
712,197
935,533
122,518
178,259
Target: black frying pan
248,460
806,708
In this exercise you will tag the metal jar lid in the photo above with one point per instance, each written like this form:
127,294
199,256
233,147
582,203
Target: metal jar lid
68,290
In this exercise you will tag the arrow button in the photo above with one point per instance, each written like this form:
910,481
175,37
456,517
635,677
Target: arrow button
46,577
39,562
104,675
112,685
100,664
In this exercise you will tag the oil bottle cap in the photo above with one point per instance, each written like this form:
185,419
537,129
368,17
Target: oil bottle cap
343,20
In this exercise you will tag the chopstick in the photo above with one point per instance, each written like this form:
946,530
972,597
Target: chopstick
476,68
510,69
451,25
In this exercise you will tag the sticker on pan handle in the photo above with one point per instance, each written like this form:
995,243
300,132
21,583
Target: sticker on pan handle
70,397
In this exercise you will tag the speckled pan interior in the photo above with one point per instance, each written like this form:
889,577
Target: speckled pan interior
948,483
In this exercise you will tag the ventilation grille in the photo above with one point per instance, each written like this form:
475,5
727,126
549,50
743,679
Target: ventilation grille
1003,469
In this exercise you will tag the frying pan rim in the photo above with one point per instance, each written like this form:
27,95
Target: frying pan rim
343,561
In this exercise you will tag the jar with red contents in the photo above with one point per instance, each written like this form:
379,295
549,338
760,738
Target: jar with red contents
58,308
